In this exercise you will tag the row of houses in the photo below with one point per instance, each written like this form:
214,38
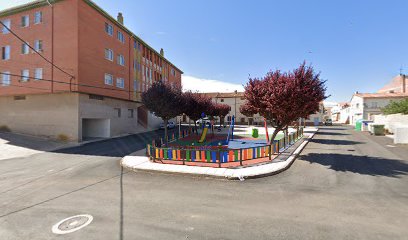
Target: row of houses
236,99
368,105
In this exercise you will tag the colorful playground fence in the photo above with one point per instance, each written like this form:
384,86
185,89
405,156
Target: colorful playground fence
221,155
173,137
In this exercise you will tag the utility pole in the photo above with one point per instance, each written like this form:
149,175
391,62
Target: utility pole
52,47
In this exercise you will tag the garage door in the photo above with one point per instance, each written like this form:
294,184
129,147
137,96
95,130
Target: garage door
95,128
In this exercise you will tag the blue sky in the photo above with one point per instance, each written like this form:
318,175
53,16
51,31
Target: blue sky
356,45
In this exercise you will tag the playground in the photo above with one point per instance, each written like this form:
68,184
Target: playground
226,146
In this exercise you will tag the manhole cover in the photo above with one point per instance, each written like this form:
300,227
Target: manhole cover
72,224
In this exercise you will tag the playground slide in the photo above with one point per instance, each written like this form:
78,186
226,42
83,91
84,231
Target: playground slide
231,130
203,135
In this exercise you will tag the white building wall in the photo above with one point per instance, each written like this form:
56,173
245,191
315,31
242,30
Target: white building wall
107,109
48,115
356,109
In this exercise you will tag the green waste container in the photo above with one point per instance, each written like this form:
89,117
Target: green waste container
255,133
359,124
378,129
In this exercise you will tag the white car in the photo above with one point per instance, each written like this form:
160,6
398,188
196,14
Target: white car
205,120
170,125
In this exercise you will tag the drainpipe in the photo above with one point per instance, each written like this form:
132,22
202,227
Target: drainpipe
404,83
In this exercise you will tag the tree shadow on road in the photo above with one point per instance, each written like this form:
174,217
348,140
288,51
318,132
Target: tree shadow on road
335,142
332,133
333,128
365,165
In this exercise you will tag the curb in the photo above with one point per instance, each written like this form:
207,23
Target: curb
291,160
225,173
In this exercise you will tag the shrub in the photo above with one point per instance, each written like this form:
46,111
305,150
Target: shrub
4,128
63,138
396,107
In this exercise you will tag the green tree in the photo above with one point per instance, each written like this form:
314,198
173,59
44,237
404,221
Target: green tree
395,107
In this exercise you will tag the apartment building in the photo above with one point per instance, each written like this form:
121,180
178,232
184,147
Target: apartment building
92,89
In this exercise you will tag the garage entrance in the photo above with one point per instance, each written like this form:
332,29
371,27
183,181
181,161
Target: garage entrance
95,128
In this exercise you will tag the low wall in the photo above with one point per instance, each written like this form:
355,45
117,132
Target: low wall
48,115
392,121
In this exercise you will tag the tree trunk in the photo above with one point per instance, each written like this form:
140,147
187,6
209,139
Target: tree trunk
286,134
275,132
166,132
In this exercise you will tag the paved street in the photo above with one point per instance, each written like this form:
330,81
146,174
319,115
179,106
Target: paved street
118,147
345,185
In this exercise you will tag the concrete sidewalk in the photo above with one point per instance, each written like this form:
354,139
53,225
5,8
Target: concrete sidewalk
13,145
281,163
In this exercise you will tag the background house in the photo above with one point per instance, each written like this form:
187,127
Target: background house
367,105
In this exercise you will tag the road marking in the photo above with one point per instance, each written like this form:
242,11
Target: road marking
391,146
66,226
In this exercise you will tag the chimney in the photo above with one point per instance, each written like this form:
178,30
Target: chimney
120,18
162,52
404,83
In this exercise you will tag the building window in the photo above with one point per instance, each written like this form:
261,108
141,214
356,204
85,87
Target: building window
96,97
37,17
121,37
109,29
118,112
5,53
121,60
130,113
19,97
6,22
120,82
24,48
173,72
108,79
25,75
222,100
5,79
38,73
38,45
25,21
109,54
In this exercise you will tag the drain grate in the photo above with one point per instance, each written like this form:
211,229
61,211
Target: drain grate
72,224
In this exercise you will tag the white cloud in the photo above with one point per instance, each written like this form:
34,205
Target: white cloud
9,4
208,85
329,104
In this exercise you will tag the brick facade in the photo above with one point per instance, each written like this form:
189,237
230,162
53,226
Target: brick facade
73,36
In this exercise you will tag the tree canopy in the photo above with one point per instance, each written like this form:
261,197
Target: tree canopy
284,97
395,107
164,100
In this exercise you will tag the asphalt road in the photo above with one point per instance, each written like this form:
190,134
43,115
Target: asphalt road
118,147
345,185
